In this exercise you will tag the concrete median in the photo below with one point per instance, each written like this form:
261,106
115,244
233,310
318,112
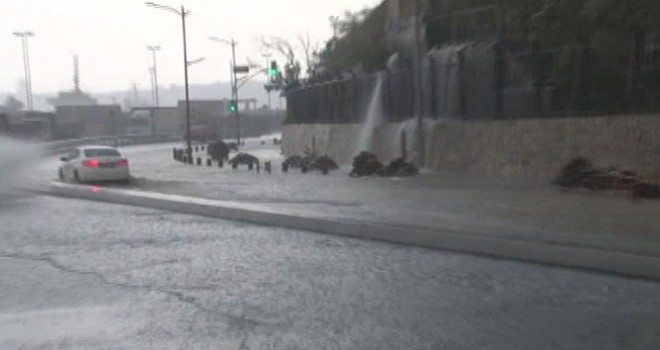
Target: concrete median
611,261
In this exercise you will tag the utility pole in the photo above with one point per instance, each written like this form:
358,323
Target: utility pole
234,90
419,95
234,84
154,50
185,65
26,66
153,89
268,79
183,14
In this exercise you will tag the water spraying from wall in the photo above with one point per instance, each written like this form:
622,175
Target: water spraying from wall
373,119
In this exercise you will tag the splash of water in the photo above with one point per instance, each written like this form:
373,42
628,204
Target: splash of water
393,61
18,161
373,119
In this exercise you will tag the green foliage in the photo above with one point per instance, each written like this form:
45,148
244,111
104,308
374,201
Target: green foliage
552,22
359,43
594,52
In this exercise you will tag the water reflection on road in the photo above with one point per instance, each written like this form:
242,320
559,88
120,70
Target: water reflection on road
142,278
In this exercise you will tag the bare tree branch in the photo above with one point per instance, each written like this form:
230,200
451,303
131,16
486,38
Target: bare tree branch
281,46
308,49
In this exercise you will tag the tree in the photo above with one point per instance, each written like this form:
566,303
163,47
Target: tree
292,68
359,44
596,52
310,51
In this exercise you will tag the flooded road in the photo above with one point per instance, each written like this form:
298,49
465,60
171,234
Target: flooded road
83,275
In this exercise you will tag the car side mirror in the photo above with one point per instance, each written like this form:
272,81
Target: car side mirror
64,159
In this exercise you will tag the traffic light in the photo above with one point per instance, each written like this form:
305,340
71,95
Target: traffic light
273,71
233,106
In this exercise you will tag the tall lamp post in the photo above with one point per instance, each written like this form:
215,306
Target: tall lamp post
26,66
234,85
154,50
183,14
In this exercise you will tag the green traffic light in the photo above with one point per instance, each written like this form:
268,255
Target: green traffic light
272,72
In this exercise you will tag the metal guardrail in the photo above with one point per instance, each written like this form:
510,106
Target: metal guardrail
114,141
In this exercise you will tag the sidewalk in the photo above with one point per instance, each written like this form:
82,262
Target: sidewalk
439,202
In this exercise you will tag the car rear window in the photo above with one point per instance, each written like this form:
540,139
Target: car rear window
101,152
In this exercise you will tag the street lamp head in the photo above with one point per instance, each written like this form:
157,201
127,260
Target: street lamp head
23,34
153,48
166,8
224,41
196,61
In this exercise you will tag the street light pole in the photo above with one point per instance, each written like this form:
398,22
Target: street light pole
419,105
185,65
154,50
26,66
183,14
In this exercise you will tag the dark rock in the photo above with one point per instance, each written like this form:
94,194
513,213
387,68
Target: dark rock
366,164
576,173
293,162
244,159
324,164
400,168
219,150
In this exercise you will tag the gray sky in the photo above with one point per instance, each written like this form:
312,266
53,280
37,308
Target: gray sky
110,36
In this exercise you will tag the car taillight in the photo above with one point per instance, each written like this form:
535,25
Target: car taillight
122,162
91,163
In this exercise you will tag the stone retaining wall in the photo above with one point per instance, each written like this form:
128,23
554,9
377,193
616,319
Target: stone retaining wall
534,148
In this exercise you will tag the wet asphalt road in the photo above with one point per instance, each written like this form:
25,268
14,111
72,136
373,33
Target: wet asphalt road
81,275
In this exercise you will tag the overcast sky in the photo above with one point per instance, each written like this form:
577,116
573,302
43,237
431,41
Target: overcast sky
111,36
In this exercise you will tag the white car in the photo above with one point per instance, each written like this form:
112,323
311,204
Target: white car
94,163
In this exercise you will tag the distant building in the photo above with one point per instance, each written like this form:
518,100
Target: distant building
72,98
209,113
89,121
4,123
139,122
214,119
31,125
149,120
75,97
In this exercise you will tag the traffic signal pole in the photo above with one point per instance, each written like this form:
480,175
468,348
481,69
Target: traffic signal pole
234,92
267,57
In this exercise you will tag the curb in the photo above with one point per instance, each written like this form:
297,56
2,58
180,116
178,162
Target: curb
610,261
